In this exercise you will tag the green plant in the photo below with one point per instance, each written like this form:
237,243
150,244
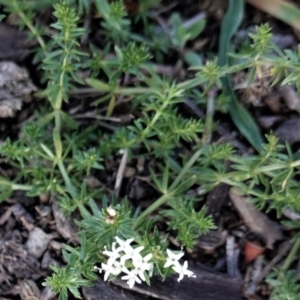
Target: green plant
181,147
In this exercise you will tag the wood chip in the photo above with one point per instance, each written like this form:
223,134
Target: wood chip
14,43
208,285
37,242
289,131
15,88
65,225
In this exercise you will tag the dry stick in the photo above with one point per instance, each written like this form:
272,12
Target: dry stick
120,173
289,213
210,110
232,257
92,115
255,274
283,250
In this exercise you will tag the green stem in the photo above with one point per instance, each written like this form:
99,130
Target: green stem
185,169
28,23
266,169
22,187
132,91
58,152
160,201
58,148
67,180
164,198
104,87
290,258
154,119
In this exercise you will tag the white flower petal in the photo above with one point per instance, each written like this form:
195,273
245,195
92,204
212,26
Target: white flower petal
131,278
113,255
182,271
173,258
142,276
124,245
147,257
132,254
114,269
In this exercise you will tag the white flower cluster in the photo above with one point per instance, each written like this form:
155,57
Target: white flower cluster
125,255
118,257
173,261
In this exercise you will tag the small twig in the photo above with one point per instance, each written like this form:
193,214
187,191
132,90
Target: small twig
283,250
289,213
194,20
86,90
255,275
207,134
120,173
167,8
92,115
291,256
195,109
4,217
232,255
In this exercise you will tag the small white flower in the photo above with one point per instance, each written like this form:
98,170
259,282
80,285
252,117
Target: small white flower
141,265
124,245
121,252
113,255
131,277
182,270
132,254
173,258
114,269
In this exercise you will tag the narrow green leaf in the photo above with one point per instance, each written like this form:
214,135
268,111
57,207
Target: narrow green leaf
195,29
111,106
240,116
193,59
57,142
98,85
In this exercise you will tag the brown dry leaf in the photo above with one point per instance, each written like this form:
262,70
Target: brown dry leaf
47,294
29,290
65,225
268,122
4,217
273,102
290,97
257,221
253,93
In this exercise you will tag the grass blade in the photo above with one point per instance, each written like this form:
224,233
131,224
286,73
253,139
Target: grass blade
280,9
240,116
